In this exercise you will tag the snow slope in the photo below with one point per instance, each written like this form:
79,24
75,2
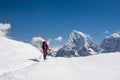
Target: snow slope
17,63
14,55
96,67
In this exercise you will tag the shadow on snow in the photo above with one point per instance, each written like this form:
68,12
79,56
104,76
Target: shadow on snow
35,60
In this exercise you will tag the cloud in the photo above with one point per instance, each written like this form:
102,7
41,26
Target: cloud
59,38
4,29
37,40
54,44
49,40
106,32
56,48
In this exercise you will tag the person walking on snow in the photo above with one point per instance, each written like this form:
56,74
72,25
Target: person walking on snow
45,48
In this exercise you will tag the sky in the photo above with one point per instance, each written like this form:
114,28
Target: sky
56,19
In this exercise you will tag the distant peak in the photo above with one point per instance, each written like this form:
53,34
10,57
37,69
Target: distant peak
115,35
75,32
118,33
78,42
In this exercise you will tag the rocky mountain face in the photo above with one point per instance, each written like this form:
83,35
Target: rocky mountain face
79,44
111,43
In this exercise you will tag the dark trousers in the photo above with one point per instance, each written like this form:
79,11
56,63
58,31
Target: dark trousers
44,54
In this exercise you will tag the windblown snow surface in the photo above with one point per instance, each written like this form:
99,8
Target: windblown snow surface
14,55
23,67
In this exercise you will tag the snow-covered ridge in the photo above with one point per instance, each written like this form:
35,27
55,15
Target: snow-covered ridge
14,53
79,43
114,35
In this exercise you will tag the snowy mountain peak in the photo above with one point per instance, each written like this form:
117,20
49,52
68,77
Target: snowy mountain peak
115,35
111,43
76,34
78,42
80,39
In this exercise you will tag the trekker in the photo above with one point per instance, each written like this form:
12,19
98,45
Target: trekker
45,48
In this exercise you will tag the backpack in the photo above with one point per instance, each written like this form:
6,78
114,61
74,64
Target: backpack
43,45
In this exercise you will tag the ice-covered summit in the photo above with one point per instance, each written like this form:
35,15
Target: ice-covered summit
79,44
